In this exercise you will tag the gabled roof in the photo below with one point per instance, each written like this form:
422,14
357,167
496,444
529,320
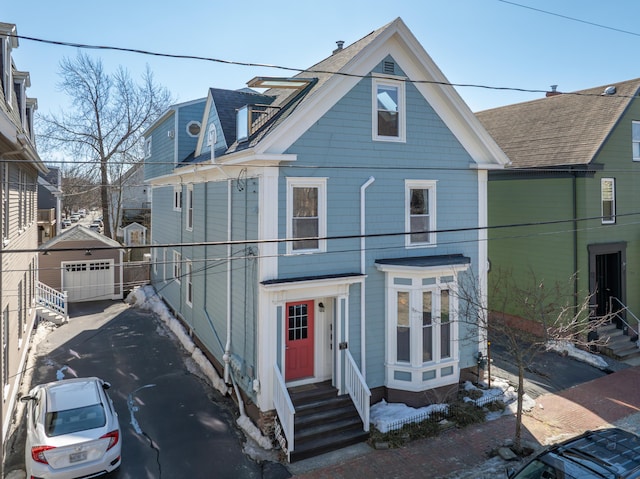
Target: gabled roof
562,130
79,233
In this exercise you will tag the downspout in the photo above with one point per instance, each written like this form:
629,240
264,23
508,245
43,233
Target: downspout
575,240
363,355
227,348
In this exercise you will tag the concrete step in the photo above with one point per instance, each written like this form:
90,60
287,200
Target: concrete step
44,314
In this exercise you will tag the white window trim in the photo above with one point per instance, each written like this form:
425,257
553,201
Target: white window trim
189,283
155,260
613,201
402,112
164,264
177,266
189,212
634,141
147,147
177,198
424,185
445,277
6,198
189,125
321,185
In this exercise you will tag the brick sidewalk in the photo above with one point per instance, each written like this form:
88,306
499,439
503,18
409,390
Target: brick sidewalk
589,405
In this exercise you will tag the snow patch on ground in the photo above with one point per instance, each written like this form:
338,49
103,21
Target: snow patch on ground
146,298
565,347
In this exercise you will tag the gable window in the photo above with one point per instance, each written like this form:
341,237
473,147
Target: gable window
147,148
608,200
177,266
388,110
306,215
193,129
190,207
177,198
635,140
5,69
420,221
189,292
422,324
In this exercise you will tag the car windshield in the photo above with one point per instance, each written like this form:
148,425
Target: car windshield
553,468
58,423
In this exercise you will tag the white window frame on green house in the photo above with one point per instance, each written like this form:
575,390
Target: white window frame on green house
177,266
385,105
608,200
635,140
189,212
415,221
417,371
189,280
317,217
177,198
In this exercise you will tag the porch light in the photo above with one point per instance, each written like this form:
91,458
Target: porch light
321,307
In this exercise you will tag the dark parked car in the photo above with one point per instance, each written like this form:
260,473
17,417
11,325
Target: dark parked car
605,453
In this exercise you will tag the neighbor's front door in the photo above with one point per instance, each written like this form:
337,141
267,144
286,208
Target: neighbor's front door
299,342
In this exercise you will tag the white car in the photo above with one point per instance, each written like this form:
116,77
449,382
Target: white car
72,430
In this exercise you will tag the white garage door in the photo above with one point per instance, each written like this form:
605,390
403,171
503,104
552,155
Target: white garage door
88,280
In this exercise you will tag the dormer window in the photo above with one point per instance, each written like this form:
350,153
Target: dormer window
32,106
20,84
242,123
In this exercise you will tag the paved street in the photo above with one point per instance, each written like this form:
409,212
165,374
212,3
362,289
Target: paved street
174,425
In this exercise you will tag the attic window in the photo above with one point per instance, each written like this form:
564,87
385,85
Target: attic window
242,123
193,128
389,68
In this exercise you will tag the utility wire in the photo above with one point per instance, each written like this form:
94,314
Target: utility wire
280,67
573,19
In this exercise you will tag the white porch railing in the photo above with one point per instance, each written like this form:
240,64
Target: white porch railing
52,299
284,406
357,389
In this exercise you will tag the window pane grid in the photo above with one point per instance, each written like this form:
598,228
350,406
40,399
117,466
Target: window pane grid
298,322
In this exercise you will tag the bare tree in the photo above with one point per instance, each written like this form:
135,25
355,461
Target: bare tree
104,125
538,314
80,189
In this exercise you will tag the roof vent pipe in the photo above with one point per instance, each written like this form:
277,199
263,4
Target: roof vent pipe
340,44
554,91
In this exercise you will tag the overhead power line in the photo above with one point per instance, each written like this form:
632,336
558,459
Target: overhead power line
293,240
281,67
573,19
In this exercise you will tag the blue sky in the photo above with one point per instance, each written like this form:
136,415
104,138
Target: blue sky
485,42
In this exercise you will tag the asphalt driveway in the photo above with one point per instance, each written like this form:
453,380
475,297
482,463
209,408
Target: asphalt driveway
174,424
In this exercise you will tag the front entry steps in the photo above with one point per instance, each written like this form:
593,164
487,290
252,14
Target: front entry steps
324,421
619,345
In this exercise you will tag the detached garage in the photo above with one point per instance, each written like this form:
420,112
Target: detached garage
73,262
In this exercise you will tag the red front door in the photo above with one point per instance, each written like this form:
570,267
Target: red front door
299,343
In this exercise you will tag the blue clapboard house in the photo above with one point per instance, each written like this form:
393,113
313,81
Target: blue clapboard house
311,233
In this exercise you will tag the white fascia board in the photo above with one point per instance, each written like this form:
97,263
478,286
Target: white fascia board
203,130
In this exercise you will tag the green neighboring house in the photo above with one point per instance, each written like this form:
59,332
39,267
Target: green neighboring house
575,169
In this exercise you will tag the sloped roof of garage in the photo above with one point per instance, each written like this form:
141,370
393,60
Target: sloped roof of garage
79,233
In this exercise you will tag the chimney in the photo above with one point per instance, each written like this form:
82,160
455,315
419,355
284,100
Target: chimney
553,91
340,44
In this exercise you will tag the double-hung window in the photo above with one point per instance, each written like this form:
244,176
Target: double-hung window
190,207
635,140
388,110
420,219
177,266
306,215
189,279
608,200
177,198
147,147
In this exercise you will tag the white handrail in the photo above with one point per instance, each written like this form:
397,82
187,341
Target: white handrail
52,299
284,407
357,389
